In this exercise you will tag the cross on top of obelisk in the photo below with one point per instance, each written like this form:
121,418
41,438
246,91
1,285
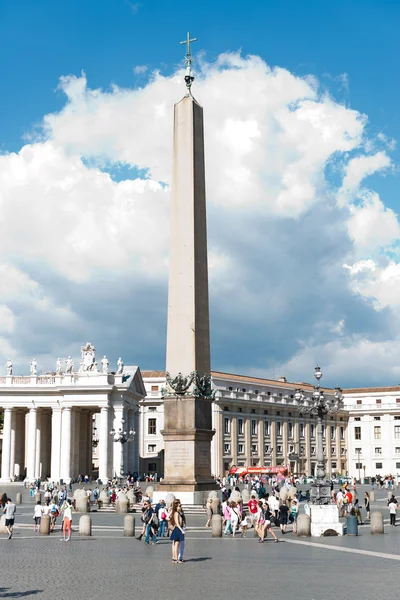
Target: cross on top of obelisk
188,61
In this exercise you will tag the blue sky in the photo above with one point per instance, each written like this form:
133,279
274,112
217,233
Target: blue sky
350,49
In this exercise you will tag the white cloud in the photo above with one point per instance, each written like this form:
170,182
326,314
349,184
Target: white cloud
140,69
85,256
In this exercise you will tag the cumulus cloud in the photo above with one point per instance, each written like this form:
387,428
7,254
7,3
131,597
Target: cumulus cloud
85,253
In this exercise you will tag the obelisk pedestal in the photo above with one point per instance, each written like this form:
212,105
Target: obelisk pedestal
187,402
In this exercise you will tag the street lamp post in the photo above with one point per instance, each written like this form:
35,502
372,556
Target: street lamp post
319,406
122,437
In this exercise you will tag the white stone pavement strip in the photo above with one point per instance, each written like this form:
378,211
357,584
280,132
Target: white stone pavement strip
341,549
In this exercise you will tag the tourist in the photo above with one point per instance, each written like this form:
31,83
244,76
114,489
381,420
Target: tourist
294,511
235,518
37,515
162,519
367,504
178,533
268,517
67,521
209,511
245,525
181,548
357,512
283,516
54,513
253,507
227,517
4,501
148,518
259,520
9,511
393,506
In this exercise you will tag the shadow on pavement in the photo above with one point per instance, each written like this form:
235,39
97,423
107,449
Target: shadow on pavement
5,594
199,559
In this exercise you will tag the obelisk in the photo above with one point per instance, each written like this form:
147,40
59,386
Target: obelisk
187,402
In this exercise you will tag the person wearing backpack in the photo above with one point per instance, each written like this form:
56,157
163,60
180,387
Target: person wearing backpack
162,519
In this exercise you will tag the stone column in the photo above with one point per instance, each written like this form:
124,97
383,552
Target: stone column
66,445
260,439
297,445
247,441
31,455
6,453
273,442
38,471
234,441
75,467
308,448
119,414
20,443
104,440
13,443
55,444
285,440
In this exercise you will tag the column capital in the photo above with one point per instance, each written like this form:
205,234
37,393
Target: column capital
33,409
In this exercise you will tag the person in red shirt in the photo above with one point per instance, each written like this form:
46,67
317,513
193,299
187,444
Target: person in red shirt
253,507
349,496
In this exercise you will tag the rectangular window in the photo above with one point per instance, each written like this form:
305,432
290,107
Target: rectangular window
312,450
332,432
358,450
312,430
230,389
290,430
377,432
227,448
397,418
226,466
333,450
253,411
397,450
227,425
278,429
359,401
226,408
266,428
334,465
152,409
378,465
152,427
243,390
357,418
398,465
279,449
301,430
266,449
154,388
379,401
240,409
397,400
397,432
377,418
342,451
151,467
358,465
357,433
253,427
378,450
240,426
151,448
240,448
254,448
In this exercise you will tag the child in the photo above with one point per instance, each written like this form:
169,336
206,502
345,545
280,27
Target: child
37,515
246,523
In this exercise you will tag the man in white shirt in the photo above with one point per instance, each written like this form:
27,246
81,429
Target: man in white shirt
392,511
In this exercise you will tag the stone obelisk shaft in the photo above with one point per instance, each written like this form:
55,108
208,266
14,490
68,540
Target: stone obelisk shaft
188,335
187,416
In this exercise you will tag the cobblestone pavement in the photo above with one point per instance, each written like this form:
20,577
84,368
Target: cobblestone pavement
108,563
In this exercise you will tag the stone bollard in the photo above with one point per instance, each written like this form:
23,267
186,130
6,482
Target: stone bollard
18,498
377,525
129,526
216,505
372,496
3,524
85,525
131,496
122,504
104,499
81,501
37,497
44,527
245,496
303,526
216,526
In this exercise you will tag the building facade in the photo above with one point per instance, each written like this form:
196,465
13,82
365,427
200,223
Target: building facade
374,431
257,422
50,421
